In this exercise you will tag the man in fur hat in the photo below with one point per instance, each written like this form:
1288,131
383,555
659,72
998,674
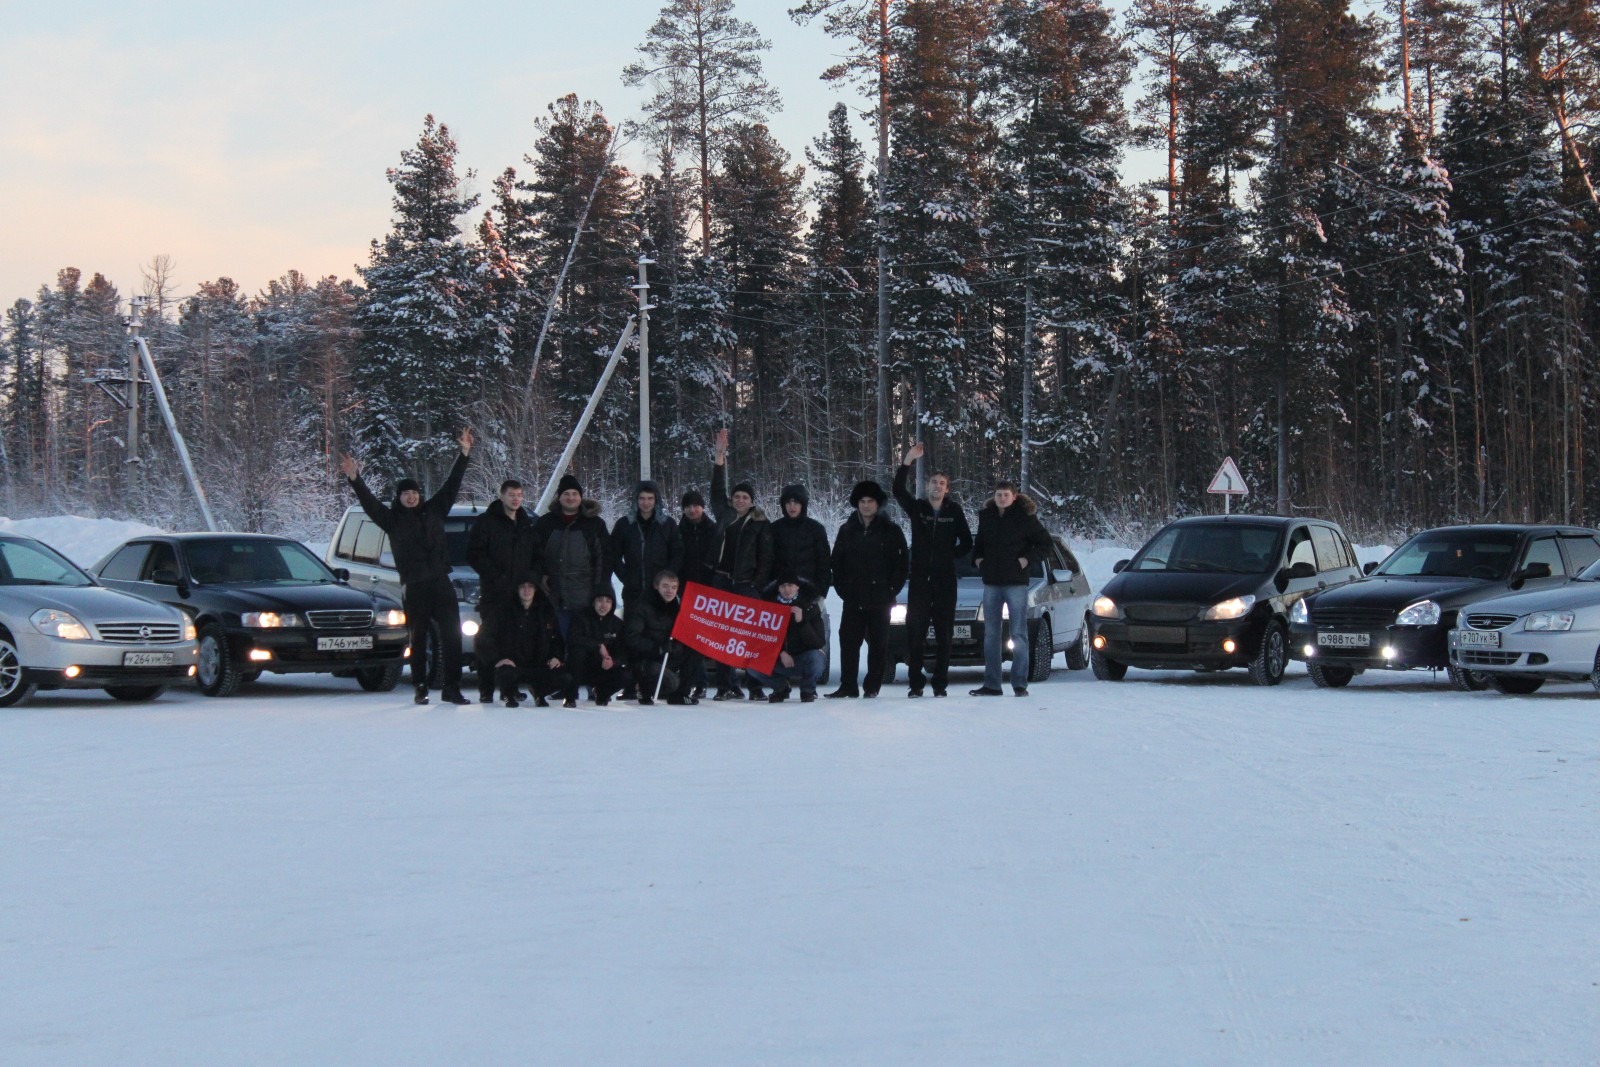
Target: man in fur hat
1010,540
870,562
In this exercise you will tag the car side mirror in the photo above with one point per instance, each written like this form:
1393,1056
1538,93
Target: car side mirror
1295,573
165,576
1120,566
1533,570
1368,568
342,573
1061,575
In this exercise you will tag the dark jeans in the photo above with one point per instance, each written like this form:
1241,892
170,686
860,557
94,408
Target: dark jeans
434,601
930,602
860,623
541,681
681,665
586,671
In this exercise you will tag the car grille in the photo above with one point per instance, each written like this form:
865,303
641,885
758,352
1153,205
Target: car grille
1478,657
1159,612
140,633
1352,618
1489,621
339,620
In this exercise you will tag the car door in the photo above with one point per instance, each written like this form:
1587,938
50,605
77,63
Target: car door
1298,549
159,559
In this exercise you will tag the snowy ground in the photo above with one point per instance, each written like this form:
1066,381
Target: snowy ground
1171,870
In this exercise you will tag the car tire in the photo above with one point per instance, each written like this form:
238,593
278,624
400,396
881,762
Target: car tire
1594,675
435,662
216,675
1516,684
1105,668
14,688
1041,651
380,679
1078,651
135,694
1271,659
1466,681
1325,677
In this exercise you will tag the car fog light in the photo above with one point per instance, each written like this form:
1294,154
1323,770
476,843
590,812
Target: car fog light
73,672
193,670
1099,641
470,628
259,655
407,653
1011,646
1310,650
1230,646
1390,652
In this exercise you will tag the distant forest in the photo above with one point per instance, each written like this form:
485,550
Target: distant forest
1368,271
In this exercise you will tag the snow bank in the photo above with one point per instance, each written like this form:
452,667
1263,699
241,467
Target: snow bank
80,539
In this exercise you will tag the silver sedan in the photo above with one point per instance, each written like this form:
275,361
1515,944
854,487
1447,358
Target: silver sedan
60,629
1515,642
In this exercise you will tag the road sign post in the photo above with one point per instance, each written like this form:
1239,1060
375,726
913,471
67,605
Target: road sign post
1228,483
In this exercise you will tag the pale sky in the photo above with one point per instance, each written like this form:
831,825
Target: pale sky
248,140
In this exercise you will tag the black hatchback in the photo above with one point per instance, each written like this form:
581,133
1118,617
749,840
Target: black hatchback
1210,593
1400,615
263,603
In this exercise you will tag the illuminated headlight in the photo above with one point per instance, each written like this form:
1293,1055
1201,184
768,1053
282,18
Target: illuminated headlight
1299,615
1106,608
1237,608
897,615
470,627
189,632
54,623
1422,613
392,617
270,620
1548,620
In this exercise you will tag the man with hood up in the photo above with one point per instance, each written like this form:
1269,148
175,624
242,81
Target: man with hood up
800,543
644,543
1010,540
526,648
422,556
572,550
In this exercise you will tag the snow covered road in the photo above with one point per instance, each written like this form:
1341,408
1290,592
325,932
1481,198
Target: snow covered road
1172,870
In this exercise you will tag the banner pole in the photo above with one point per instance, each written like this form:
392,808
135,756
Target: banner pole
662,676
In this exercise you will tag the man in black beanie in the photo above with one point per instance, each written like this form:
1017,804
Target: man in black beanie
422,556
572,550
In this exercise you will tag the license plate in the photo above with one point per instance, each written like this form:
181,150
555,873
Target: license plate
344,644
1345,640
1158,635
1478,638
147,659
961,633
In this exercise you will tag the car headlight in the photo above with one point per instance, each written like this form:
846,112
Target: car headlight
1236,608
54,623
392,617
897,615
270,620
189,632
470,628
1300,614
1106,608
1548,620
1422,613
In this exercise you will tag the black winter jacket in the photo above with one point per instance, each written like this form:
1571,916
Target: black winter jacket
589,631
527,636
1004,538
700,541
801,545
649,626
938,539
870,563
416,535
573,558
642,548
809,632
500,549
744,552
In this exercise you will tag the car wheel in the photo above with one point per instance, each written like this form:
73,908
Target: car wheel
1594,675
1041,651
1516,684
1326,677
1465,680
433,664
1078,651
380,679
1267,666
217,674
1105,668
13,690
135,694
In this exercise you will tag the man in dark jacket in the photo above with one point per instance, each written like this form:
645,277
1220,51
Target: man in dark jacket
526,646
422,556
799,542
742,562
870,562
572,550
700,535
596,651
644,543
648,632
1010,541
939,537
500,549
803,658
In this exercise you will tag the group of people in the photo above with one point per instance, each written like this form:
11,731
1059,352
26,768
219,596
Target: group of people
550,625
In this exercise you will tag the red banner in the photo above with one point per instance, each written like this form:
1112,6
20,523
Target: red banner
730,628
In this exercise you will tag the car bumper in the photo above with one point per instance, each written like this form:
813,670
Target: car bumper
52,663
1179,646
296,651
965,651
1395,648
1564,654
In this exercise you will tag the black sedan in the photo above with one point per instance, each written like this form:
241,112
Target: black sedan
264,603
1400,615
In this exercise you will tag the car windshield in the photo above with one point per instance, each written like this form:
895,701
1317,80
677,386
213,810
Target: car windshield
1214,548
239,561
1486,556
32,563
456,533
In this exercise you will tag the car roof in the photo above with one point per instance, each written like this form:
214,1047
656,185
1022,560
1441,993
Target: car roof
1506,527
1254,520
456,510
205,535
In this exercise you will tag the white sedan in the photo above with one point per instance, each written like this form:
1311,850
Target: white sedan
1515,642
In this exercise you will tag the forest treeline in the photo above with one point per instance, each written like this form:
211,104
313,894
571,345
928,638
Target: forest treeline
1369,271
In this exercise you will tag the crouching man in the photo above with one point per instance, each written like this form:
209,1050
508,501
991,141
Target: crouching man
595,651
802,660
528,649
650,645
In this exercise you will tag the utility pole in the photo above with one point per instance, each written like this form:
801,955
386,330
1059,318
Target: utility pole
643,289
883,247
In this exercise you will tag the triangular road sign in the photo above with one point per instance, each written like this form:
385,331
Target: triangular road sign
1228,480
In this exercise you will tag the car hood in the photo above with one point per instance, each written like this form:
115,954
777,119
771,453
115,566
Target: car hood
1394,593
1573,595
89,603
281,598
1180,587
